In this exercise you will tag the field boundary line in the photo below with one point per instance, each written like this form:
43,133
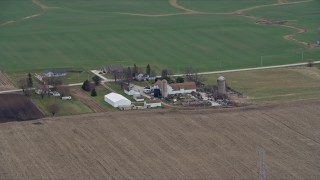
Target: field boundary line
42,6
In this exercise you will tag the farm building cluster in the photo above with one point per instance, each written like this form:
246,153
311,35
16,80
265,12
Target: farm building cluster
179,94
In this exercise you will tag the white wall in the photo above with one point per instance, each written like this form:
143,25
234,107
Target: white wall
152,105
116,104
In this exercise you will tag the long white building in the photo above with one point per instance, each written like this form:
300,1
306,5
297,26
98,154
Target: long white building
116,100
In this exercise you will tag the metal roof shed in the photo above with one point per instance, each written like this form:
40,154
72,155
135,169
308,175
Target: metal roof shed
116,100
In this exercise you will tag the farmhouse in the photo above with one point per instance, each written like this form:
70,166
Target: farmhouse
175,88
55,73
116,100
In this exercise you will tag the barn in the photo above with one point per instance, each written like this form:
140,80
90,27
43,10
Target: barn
116,100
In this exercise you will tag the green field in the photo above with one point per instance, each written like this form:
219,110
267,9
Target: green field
90,34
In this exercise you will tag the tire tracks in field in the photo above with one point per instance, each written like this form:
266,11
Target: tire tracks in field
174,4
43,8
289,37
240,12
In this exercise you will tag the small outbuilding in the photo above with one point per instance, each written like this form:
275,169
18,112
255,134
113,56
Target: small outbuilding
116,100
152,103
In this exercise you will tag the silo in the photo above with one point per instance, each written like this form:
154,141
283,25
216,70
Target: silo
221,86
164,88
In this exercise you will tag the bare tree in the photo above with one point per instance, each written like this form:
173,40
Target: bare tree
63,90
27,92
43,90
128,75
153,73
164,73
53,108
54,81
193,75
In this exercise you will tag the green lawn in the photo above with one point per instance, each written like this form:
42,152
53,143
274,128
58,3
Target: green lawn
91,34
274,85
67,107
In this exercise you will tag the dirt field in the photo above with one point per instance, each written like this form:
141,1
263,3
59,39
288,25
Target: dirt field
5,82
207,144
15,107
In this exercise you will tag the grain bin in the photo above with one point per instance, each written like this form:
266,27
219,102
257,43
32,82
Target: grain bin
221,86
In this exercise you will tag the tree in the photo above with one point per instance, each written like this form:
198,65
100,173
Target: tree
63,90
93,92
164,73
148,70
128,75
30,83
193,75
180,80
53,108
27,92
43,90
86,85
153,74
135,70
96,79
23,83
54,81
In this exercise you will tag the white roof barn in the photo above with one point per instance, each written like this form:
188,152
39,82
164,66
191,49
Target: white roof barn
116,100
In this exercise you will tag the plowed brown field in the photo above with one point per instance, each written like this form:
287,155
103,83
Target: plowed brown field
16,107
204,144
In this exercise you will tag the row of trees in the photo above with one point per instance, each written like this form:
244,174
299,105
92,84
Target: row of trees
191,74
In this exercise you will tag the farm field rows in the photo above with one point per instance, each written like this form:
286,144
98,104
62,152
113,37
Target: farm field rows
91,34
205,144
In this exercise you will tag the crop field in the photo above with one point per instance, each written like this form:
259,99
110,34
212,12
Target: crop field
5,82
205,144
206,34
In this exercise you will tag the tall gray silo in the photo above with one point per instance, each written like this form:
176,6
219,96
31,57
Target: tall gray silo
221,81
164,88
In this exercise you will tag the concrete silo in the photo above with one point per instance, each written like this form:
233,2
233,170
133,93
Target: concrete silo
164,89
221,81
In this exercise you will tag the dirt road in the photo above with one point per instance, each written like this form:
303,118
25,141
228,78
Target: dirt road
205,144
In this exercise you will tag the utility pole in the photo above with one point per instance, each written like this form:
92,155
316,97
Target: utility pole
261,154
